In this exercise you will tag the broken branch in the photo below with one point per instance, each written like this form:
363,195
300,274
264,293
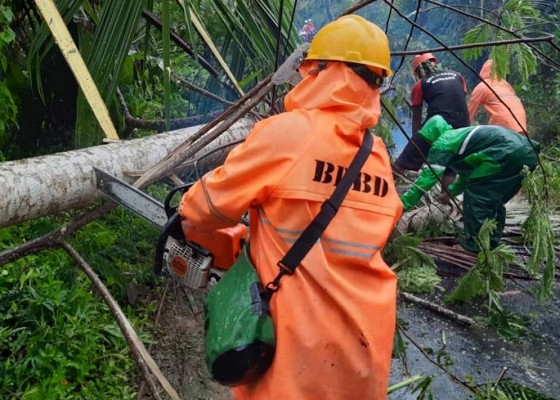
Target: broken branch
439,309
143,358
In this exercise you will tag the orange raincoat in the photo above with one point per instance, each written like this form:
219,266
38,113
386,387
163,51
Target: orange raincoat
335,317
499,114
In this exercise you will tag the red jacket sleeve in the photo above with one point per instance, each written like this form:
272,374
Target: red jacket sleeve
417,97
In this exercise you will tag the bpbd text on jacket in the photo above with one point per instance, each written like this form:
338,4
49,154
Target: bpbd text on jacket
328,173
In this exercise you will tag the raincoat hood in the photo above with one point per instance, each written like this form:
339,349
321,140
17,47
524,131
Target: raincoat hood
486,70
434,128
337,89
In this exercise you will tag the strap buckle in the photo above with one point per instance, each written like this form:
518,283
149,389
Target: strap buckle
273,286
284,269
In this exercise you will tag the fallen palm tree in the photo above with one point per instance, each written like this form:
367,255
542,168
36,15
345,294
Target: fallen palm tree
182,153
46,185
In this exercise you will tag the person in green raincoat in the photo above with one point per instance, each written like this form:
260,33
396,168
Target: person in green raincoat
488,160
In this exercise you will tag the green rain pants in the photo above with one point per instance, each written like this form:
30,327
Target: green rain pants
486,199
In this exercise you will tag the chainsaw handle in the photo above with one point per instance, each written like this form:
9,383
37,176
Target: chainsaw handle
171,228
169,211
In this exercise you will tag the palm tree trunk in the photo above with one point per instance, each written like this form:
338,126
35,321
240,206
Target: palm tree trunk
46,185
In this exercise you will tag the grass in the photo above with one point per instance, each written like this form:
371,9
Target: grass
58,339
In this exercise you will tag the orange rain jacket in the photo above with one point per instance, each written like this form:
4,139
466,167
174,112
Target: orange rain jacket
335,317
499,114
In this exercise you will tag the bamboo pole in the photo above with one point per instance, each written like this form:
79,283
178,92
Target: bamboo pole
77,65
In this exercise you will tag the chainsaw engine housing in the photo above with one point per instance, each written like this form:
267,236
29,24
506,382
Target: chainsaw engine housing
188,263
203,258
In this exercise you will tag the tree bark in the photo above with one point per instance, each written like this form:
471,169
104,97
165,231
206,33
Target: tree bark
46,185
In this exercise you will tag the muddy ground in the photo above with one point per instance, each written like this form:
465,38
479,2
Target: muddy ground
178,347
479,353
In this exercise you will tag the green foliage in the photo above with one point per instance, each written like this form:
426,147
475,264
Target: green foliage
415,269
418,279
252,32
479,33
422,386
508,390
423,389
515,15
7,35
43,42
143,89
537,229
105,57
58,340
8,108
541,97
120,247
399,345
509,325
486,277
166,31
246,34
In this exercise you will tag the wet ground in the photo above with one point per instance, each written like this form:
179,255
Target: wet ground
477,355
480,355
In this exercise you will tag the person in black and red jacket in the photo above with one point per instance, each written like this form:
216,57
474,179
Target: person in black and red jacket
444,93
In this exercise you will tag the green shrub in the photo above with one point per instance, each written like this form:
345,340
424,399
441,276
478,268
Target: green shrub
58,339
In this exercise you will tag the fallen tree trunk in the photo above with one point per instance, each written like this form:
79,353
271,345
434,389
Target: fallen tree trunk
46,185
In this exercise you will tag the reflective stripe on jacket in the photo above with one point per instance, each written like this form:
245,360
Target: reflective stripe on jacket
335,316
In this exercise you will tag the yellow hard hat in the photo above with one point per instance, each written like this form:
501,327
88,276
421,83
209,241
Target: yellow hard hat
353,39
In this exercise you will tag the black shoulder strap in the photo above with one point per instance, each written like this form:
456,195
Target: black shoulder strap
311,234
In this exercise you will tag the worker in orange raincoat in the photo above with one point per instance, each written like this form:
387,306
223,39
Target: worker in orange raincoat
497,110
335,317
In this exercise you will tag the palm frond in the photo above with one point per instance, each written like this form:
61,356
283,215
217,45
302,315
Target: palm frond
210,43
251,28
105,58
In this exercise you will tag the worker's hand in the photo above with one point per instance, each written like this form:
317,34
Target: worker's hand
447,180
444,198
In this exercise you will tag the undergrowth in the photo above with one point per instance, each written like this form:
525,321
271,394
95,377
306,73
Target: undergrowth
486,277
415,269
537,229
58,339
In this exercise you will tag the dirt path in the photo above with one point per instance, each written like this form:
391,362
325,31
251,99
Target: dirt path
179,350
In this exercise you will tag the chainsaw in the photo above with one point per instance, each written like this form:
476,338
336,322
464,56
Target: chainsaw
201,259
197,261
